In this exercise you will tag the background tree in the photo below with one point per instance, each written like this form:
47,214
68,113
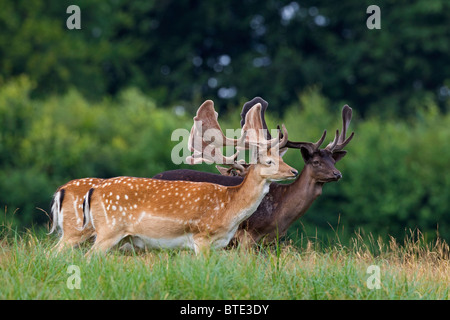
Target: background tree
187,50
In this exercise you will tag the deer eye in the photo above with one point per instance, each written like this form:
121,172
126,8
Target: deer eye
316,162
269,162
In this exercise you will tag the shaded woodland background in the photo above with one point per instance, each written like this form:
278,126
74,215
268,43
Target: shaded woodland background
103,101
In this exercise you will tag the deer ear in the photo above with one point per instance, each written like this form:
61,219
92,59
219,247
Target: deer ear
338,155
283,151
305,154
224,171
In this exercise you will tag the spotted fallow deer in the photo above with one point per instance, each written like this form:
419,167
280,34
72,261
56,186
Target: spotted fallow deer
284,203
195,215
67,213
67,205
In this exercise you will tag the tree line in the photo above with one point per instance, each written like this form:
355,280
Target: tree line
184,51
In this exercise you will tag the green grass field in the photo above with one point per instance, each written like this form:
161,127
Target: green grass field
411,270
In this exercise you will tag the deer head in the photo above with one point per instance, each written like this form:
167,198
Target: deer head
322,161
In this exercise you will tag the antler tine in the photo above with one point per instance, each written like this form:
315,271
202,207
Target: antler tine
278,141
311,146
340,142
320,141
282,136
332,145
346,118
341,146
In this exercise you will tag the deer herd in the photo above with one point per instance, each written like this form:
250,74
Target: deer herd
243,205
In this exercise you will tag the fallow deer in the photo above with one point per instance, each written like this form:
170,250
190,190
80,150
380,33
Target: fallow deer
67,212
284,203
67,205
195,215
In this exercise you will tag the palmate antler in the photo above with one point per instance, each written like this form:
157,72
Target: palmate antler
339,141
206,139
282,133
258,124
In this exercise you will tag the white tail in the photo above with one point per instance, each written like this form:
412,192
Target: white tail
56,211
67,213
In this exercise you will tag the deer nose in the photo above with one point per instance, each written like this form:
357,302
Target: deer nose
294,172
337,174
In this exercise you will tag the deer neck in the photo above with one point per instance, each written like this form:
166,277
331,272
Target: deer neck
299,195
246,197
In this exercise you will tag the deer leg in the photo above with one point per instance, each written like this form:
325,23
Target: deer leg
202,244
72,240
104,242
65,243
244,239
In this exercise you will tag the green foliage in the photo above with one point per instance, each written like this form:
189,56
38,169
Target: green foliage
192,50
393,176
45,143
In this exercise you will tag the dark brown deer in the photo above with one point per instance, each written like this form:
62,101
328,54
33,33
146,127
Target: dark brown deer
284,203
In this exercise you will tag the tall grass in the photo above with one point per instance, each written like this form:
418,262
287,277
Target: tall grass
410,270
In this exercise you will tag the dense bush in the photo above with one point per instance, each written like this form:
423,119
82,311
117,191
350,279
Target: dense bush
394,174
